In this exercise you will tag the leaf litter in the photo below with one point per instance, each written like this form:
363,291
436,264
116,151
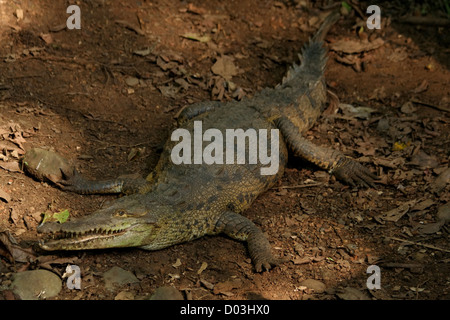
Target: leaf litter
11,146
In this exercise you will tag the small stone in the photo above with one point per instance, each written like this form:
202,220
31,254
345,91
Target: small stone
316,285
36,284
349,293
124,295
166,293
19,14
132,81
444,212
118,276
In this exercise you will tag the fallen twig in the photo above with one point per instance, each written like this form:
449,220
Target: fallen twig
299,186
130,26
430,21
419,244
447,109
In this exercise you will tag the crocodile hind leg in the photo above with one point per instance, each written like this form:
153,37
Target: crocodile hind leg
344,168
238,227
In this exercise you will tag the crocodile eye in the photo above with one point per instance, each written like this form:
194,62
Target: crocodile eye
121,213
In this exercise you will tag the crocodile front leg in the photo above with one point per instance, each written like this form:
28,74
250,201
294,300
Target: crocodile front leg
240,228
75,182
344,168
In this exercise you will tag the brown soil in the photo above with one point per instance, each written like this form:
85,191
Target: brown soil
67,89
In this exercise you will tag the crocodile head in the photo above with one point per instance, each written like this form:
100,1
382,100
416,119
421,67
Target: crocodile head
127,223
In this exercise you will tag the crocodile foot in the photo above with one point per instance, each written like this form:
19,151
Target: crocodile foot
354,173
240,228
261,255
72,181
75,182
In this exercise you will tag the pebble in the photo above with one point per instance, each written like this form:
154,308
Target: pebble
349,293
124,295
166,293
36,284
118,277
444,212
316,285
132,81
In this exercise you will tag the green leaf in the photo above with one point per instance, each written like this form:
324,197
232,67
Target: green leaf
47,217
347,6
60,217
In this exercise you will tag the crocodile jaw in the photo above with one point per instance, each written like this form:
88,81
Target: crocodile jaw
63,237
127,223
79,240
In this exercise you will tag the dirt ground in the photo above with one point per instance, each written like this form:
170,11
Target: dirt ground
106,97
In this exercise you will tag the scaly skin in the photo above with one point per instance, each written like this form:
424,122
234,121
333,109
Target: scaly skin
178,203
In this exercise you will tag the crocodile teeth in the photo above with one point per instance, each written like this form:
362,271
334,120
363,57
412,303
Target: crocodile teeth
60,235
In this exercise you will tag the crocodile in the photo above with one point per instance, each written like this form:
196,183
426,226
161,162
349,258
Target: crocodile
176,203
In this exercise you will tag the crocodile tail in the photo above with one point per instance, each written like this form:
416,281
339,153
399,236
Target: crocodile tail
329,21
313,56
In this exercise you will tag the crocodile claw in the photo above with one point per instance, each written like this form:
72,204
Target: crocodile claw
354,173
261,254
71,181
261,266
266,265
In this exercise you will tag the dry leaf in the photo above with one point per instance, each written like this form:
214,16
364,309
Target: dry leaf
46,261
207,284
225,67
408,107
165,65
441,181
301,260
169,91
355,112
398,55
424,160
202,268
395,214
422,87
423,205
48,39
355,46
226,286
10,166
143,52
57,28
192,8
14,215
177,263
17,139
389,163
431,228
131,27
5,196
10,249
182,83
443,216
